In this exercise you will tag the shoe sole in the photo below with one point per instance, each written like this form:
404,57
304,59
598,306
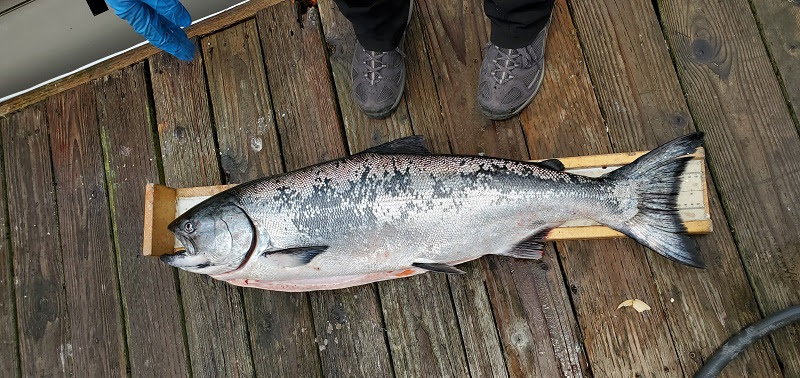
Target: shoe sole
504,116
384,114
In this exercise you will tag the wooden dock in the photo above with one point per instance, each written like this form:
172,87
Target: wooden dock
270,92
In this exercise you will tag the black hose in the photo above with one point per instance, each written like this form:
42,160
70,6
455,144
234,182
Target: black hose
744,338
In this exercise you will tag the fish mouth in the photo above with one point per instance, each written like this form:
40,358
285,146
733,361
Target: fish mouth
182,259
185,258
186,242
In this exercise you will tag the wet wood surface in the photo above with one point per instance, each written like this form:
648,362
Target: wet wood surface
41,303
279,323
644,105
9,354
148,290
346,322
214,315
736,99
86,241
272,93
618,342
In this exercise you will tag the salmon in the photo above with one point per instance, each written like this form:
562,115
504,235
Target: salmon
397,210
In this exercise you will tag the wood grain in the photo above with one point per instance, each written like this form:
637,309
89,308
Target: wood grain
362,132
9,342
149,294
159,212
752,145
535,340
43,320
347,323
421,96
430,338
128,58
213,310
86,244
779,22
644,107
280,327
565,119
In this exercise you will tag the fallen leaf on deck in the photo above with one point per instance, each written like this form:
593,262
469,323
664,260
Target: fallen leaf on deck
636,304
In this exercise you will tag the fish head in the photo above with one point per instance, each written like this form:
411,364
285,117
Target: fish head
217,235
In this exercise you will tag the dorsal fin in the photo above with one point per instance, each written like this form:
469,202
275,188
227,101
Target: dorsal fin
414,144
552,164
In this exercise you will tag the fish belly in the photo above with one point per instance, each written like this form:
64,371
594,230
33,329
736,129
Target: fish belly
388,250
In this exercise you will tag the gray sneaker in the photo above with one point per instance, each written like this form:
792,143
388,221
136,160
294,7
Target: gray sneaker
510,78
378,80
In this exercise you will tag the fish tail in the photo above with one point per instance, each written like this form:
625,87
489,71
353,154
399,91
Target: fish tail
656,177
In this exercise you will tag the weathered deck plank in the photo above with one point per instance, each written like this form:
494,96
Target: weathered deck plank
86,244
532,343
779,22
362,132
637,87
420,320
213,310
279,323
565,120
732,94
9,342
347,322
470,297
753,144
147,285
43,321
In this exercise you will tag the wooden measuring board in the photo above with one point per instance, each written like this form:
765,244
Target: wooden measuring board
163,204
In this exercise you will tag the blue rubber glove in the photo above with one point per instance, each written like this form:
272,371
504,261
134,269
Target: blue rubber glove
159,22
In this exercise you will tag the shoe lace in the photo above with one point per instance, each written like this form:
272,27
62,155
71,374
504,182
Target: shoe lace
509,59
374,66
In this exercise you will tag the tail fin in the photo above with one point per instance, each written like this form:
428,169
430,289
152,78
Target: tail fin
657,176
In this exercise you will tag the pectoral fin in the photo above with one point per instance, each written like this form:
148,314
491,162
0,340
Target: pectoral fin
294,257
438,267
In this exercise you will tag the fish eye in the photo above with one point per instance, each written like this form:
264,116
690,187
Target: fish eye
189,227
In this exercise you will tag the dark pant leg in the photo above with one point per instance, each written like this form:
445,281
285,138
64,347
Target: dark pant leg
516,23
378,24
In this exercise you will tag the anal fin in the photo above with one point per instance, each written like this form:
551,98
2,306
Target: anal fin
438,267
531,247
